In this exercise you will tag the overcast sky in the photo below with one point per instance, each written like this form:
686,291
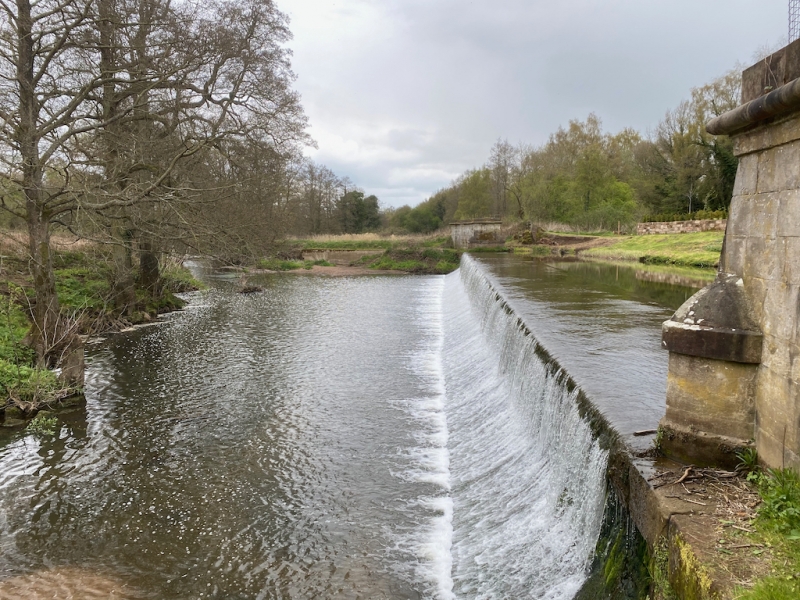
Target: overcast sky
404,95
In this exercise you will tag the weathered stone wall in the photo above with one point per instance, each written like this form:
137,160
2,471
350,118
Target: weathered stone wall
762,246
692,226
751,314
482,232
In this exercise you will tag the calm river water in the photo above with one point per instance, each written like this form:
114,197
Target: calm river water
374,437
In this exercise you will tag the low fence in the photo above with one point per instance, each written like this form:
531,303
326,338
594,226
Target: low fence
695,226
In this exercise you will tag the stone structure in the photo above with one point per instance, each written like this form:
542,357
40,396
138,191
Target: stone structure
693,226
478,232
734,347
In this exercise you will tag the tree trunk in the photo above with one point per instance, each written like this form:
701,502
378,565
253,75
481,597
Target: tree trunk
45,310
123,290
149,273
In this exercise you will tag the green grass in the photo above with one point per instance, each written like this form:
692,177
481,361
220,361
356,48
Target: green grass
439,242
371,241
489,249
540,251
346,244
177,279
684,249
44,424
276,264
26,383
80,287
416,260
14,327
777,528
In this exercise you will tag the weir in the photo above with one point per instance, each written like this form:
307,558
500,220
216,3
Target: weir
570,494
632,528
528,456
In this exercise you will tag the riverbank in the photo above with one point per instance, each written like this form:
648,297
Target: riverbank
366,254
83,274
694,250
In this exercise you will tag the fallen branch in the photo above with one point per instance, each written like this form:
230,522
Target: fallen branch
685,475
687,500
645,432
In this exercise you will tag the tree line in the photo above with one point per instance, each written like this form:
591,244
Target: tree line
594,180
152,126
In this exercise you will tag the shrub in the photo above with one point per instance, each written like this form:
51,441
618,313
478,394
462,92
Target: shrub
27,384
780,492
43,424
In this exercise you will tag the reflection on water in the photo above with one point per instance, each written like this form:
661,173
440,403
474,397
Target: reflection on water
603,324
336,438
256,446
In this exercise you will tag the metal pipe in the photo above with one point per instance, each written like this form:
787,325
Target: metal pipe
777,103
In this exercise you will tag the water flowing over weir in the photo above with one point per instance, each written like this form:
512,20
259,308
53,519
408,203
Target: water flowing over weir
374,437
527,477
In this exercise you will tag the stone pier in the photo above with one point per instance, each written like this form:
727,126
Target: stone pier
734,371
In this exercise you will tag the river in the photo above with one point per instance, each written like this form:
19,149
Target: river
372,437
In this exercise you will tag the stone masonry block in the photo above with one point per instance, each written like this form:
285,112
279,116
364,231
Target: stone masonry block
779,357
713,396
746,176
791,260
763,218
789,213
761,259
773,403
772,135
796,313
777,168
794,371
735,257
770,449
777,323
756,291
739,215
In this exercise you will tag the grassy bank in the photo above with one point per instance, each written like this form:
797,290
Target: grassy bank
420,261
683,249
776,533
369,241
420,254
277,264
83,276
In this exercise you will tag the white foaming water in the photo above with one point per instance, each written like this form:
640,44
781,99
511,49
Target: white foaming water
527,479
430,459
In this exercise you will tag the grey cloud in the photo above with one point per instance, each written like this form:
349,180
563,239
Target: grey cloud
399,91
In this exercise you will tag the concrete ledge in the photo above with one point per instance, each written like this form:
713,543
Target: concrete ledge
733,345
699,447
717,322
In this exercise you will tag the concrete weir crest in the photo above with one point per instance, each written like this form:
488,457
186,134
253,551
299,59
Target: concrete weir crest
734,366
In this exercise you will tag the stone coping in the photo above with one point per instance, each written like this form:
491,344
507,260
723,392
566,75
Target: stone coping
720,343
784,100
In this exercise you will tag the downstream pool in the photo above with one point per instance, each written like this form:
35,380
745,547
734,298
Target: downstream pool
373,437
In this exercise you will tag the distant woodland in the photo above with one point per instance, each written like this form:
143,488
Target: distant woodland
593,180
